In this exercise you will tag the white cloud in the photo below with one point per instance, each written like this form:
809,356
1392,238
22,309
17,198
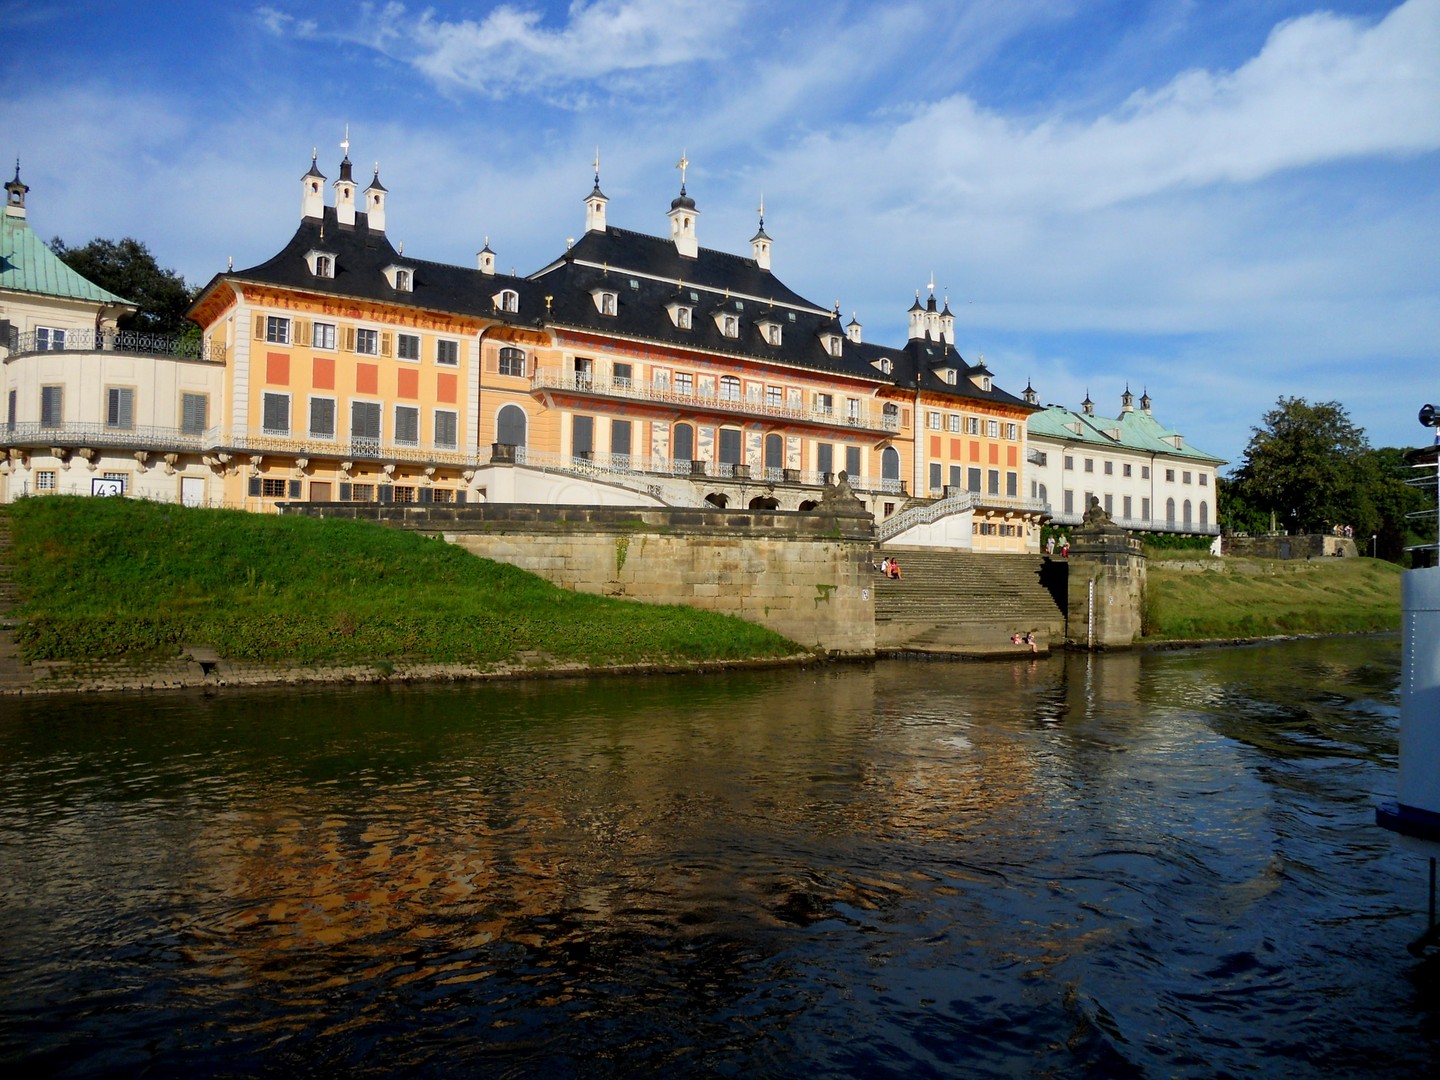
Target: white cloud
513,50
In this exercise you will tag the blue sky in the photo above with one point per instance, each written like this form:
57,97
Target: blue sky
1220,202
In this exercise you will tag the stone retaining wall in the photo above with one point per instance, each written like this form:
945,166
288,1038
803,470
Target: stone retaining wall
806,575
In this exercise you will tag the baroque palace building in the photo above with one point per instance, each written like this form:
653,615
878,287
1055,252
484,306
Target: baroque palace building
1145,475
631,370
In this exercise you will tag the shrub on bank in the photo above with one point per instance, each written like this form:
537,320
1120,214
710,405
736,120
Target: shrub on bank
117,577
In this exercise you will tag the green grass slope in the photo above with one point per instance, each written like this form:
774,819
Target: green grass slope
1245,598
120,577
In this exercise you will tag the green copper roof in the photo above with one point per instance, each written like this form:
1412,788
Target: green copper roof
1134,430
27,265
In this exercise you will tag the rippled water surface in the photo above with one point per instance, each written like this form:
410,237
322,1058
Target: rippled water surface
1143,865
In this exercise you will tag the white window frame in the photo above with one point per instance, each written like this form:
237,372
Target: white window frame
311,429
451,346
49,339
322,336
277,330
364,336
120,408
412,341
407,425
268,398
453,418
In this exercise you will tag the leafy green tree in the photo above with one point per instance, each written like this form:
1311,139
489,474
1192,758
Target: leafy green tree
1303,463
128,269
1235,510
1390,498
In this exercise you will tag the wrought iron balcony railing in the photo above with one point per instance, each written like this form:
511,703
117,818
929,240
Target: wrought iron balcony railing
862,419
132,342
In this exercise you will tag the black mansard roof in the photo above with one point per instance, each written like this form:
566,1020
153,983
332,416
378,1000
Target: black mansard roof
647,277
361,256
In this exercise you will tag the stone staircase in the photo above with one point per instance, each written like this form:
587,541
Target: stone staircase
967,604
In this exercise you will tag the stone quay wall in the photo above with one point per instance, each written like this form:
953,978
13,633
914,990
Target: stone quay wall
806,575
1304,546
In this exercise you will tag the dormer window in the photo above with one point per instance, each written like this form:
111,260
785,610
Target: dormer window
771,330
507,300
605,301
321,263
980,380
834,343
681,315
729,325
401,278
885,366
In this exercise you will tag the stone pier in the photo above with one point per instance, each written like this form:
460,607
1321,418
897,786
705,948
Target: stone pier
1105,606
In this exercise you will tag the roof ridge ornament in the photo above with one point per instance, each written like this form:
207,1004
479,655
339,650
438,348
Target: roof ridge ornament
683,164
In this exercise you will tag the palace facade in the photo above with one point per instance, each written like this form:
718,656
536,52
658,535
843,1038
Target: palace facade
633,369
1145,475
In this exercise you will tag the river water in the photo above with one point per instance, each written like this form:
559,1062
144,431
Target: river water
1159,864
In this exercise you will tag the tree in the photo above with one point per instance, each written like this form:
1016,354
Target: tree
1304,465
128,269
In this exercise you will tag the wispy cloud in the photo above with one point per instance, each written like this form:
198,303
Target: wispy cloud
514,50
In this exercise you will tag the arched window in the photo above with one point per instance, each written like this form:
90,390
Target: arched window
682,443
510,425
774,452
1186,511
512,360
1044,498
323,266
1169,511
509,300
890,461
729,388
1204,515
402,280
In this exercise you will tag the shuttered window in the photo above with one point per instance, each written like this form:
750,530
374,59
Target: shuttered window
51,400
407,425
445,428
120,407
276,417
194,413
365,420
322,418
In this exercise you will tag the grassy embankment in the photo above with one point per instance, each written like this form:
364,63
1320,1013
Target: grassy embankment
118,577
1248,598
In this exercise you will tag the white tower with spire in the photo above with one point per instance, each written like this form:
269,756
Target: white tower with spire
345,187
312,190
760,242
682,216
375,202
595,202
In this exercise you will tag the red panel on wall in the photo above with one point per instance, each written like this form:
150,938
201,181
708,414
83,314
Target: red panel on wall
446,388
367,378
409,383
277,369
1012,455
323,374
